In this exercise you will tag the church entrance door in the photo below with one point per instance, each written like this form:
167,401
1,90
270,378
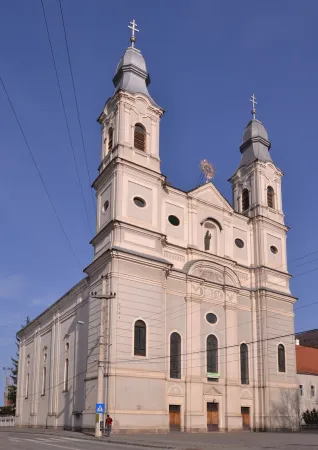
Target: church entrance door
175,417
245,411
212,416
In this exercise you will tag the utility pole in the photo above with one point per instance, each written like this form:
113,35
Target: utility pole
101,359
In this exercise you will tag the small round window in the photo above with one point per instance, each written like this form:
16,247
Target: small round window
140,202
105,206
239,243
211,318
274,249
174,220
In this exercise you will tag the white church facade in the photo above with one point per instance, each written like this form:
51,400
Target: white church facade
198,316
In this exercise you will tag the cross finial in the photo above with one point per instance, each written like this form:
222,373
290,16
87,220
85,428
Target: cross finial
133,28
254,102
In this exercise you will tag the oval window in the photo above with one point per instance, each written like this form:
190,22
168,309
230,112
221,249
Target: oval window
239,243
274,249
174,220
140,202
105,206
211,318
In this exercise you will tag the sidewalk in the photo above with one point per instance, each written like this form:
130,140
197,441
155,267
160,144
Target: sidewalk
173,441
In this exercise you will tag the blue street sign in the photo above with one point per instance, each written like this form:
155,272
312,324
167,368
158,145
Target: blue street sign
100,408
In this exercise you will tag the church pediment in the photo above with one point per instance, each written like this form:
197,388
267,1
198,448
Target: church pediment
211,391
209,194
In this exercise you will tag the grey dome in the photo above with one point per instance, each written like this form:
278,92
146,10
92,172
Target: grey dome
255,144
254,129
131,73
132,56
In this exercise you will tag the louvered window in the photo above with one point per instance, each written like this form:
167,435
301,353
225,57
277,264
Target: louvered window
140,137
110,138
245,200
270,197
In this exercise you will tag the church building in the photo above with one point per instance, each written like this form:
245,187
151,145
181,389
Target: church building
186,307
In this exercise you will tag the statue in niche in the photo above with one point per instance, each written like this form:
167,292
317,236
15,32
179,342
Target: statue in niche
207,240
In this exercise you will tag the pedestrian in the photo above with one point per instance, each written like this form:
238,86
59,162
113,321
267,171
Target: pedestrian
108,425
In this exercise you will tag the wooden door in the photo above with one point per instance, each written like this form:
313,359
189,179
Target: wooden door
245,411
174,417
213,416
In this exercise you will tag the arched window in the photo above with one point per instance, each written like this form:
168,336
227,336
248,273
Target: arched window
66,365
140,137
140,338
212,364
175,355
270,197
281,358
244,364
110,138
245,199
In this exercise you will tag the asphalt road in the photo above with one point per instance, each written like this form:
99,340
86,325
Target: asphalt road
18,441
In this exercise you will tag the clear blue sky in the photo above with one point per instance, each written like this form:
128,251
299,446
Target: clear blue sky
205,59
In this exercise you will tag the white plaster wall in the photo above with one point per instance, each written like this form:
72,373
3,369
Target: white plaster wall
307,401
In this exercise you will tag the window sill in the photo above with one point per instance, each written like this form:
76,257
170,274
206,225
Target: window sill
65,391
140,152
42,395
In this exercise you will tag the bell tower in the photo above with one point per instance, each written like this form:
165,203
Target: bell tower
130,162
131,118
256,184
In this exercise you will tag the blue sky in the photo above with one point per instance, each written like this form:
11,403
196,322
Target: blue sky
205,60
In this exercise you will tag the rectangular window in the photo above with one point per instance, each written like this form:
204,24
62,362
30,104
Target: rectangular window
66,375
43,380
27,385
312,391
301,390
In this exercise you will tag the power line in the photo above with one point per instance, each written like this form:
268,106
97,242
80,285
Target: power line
182,354
65,116
181,307
300,307
76,102
39,173
219,348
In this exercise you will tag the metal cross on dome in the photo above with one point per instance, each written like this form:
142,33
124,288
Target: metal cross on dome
133,28
254,102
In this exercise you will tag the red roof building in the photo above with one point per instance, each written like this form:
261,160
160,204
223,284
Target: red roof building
307,360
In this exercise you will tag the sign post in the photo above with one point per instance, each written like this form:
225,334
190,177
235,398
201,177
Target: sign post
100,410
